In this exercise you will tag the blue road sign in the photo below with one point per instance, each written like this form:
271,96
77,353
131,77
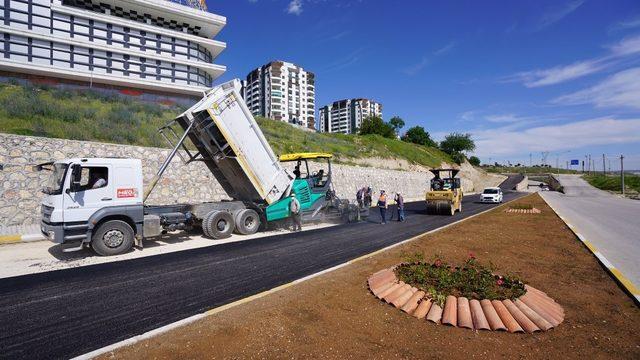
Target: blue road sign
575,162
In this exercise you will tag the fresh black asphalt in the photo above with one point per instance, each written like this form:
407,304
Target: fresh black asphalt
65,313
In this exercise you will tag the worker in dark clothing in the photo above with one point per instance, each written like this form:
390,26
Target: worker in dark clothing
294,208
359,197
400,203
382,205
367,197
296,171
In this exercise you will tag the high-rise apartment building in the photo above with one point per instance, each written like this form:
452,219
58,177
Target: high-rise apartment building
345,116
154,45
282,91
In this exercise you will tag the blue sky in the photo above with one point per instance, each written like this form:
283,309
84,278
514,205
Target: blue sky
522,77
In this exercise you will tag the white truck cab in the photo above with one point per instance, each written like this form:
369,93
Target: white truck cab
82,194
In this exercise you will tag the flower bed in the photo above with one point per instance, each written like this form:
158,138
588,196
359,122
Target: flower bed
471,280
468,296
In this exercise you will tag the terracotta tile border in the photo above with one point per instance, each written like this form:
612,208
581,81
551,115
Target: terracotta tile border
532,312
523,211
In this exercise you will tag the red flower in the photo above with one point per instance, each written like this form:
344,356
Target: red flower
437,263
500,282
472,255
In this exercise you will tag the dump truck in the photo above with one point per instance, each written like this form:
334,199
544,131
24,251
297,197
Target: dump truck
445,193
100,202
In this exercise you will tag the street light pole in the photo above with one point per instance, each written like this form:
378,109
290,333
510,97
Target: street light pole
622,172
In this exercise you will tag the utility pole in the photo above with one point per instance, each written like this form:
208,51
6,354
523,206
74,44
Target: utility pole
609,165
589,164
622,172
530,160
604,168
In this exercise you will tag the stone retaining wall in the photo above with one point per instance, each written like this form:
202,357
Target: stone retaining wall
20,187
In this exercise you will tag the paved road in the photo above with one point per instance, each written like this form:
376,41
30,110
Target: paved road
511,182
608,221
69,312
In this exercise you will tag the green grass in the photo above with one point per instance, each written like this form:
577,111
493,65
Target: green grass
81,115
287,139
93,116
613,182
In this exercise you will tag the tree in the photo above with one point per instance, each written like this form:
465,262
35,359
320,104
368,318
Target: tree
417,135
375,125
474,160
397,123
457,143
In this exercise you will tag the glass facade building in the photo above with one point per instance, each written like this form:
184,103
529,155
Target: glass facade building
145,44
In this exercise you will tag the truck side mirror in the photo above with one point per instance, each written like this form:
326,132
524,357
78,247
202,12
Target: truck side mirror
76,177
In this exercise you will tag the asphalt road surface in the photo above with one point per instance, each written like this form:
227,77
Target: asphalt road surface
607,221
70,312
511,182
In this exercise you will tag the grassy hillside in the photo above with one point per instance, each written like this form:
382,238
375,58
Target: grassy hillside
613,182
89,115
81,115
286,139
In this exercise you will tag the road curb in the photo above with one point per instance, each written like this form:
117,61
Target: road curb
20,238
186,321
631,289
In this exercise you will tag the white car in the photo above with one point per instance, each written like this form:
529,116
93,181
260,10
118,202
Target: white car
491,195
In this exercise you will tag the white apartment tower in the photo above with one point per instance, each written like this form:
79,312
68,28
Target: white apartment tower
282,91
345,116
155,45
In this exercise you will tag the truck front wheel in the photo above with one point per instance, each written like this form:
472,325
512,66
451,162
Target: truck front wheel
113,237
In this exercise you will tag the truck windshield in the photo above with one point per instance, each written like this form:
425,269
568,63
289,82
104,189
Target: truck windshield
490,191
56,179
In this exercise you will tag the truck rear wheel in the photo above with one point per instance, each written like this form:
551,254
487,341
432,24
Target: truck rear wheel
113,237
218,224
247,222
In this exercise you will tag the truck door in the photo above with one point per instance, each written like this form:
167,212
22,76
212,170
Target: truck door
95,191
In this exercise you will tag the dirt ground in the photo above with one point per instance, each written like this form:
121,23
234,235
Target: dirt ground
335,316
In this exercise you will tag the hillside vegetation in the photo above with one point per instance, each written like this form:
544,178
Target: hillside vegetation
81,115
614,182
90,115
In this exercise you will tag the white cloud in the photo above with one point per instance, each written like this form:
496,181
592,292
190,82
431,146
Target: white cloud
445,49
627,24
628,46
604,131
504,118
558,14
468,115
619,90
558,74
562,73
295,7
426,60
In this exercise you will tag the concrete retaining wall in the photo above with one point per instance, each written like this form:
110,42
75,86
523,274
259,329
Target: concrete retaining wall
20,187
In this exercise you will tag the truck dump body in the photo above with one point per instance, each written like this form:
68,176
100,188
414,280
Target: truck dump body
233,147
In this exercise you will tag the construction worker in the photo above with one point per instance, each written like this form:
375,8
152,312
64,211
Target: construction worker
294,208
367,197
359,196
400,203
382,205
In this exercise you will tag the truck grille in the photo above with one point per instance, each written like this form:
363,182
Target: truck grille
46,212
